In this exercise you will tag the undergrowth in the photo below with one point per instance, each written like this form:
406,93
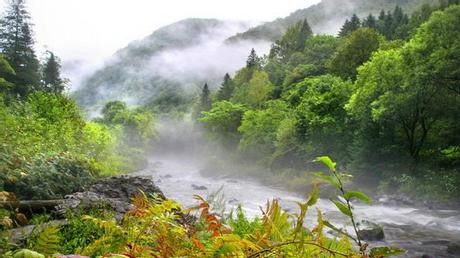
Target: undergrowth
157,228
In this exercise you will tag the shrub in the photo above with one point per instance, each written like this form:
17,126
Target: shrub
49,177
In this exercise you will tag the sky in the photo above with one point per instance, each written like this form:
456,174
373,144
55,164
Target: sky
87,32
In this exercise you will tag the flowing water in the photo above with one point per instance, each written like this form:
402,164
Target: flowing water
420,231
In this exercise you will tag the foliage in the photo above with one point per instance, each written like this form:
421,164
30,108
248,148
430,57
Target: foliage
226,90
293,41
51,75
46,241
344,205
393,111
43,177
155,228
350,26
356,50
258,129
16,44
48,150
223,121
321,116
255,92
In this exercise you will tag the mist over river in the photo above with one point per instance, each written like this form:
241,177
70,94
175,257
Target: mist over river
420,231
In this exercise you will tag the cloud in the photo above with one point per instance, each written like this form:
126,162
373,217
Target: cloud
210,59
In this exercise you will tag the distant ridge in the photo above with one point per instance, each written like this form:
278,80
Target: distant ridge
325,17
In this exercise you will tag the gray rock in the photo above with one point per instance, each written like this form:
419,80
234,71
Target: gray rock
19,235
199,187
115,193
370,231
454,249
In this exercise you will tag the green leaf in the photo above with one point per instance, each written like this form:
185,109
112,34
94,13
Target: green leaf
329,225
358,195
314,196
26,253
327,161
342,207
330,179
379,252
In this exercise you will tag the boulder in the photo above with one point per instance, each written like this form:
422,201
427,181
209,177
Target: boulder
115,193
370,231
454,249
199,187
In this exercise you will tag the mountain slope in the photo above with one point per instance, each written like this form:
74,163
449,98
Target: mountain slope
157,65
325,17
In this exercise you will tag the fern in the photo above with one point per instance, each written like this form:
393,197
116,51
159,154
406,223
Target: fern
98,247
47,241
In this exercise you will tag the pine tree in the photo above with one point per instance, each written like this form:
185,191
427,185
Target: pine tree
16,43
370,22
205,98
350,26
388,25
253,60
52,80
345,30
293,40
303,34
226,90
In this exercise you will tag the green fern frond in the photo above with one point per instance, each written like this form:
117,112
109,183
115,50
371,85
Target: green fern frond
47,241
98,247
110,226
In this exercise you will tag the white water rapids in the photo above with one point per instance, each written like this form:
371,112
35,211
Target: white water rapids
420,231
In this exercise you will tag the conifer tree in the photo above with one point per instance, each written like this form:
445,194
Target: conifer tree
253,60
16,44
370,22
51,76
304,33
226,90
294,40
205,98
350,26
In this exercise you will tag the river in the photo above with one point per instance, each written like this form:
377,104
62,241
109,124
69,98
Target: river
419,231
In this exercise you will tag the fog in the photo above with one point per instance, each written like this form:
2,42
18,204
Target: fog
196,55
86,33
209,60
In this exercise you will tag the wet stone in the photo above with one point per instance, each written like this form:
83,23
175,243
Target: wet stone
199,187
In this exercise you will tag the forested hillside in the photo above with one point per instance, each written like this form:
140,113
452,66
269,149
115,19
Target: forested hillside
326,16
374,105
382,98
45,138
138,74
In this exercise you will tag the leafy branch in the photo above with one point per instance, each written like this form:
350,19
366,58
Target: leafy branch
343,204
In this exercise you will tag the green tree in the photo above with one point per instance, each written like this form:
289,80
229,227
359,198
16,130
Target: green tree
370,22
51,76
6,72
223,121
292,41
113,111
205,98
399,28
390,93
356,50
259,129
253,60
226,89
16,43
256,92
350,26
322,119
434,52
